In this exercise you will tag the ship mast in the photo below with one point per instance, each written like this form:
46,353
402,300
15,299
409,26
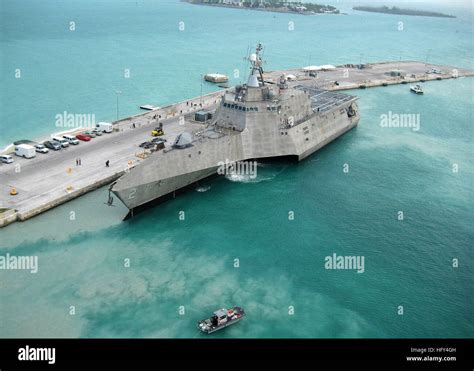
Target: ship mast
256,68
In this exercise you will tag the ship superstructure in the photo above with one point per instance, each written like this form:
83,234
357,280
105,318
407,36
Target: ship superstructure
252,121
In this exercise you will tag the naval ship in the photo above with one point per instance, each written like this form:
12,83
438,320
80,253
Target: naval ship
257,120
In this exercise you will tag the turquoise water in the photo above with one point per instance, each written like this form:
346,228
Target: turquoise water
190,263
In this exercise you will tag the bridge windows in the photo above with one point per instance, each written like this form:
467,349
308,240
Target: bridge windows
273,108
239,107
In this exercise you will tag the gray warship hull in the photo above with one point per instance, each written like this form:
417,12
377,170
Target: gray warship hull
252,122
165,173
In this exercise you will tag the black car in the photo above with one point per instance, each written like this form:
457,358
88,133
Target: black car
157,140
55,146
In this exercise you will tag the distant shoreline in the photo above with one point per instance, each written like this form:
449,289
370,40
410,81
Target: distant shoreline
399,11
330,10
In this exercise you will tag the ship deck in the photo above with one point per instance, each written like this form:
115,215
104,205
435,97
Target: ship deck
324,100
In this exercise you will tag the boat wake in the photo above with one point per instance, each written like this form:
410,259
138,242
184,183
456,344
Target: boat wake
246,178
268,173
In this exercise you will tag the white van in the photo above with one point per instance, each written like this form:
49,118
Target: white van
105,127
7,159
71,139
25,150
64,143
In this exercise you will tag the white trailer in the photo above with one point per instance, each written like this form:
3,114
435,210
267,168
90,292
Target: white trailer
25,150
105,127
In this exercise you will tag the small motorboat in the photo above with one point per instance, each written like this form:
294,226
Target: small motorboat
417,89
221,318
216,78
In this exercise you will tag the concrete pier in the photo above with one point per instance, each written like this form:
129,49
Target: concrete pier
373,74
52,179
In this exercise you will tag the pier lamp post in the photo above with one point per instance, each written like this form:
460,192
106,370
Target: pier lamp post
427,56
117,93
202,78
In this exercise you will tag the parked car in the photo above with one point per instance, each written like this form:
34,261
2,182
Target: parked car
55,146
149,145
71,139
63,142
141,145
97,132
41,148
90,133
158,140
83,137
6,159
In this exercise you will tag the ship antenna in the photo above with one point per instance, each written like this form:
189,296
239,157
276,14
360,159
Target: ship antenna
261,63
256,68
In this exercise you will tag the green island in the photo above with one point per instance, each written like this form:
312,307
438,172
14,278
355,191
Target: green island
400,11
271,6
